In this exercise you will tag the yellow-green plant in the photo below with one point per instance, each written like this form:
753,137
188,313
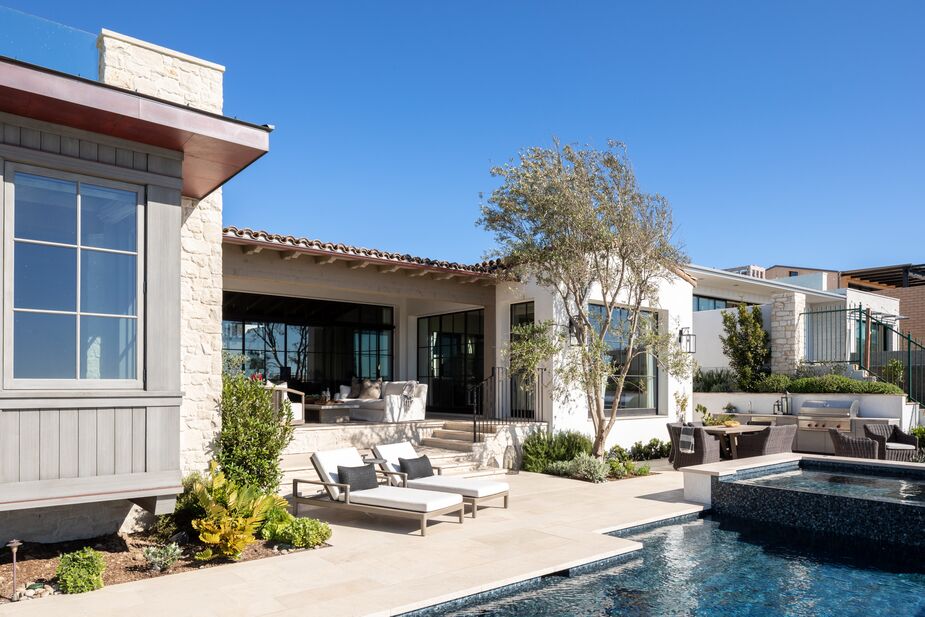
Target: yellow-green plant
233,514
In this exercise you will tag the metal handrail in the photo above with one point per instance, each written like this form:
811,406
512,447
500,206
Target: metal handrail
496,400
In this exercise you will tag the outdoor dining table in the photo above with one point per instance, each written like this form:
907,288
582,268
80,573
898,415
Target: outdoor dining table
732,432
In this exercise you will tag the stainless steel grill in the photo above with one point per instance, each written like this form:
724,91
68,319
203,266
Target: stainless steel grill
817,417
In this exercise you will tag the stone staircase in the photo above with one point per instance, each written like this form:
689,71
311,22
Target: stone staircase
455,435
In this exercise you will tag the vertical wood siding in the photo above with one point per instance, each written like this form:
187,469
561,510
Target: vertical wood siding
49,444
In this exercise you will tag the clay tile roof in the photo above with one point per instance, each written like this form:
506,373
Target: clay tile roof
281,243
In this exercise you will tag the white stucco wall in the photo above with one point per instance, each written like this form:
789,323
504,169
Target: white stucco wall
674,306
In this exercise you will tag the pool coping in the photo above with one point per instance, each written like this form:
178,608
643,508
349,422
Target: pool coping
496,589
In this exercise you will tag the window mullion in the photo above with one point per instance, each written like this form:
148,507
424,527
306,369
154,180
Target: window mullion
78,307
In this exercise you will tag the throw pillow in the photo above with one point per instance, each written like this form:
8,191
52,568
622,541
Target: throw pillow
358,478
416,467
355,385
371,389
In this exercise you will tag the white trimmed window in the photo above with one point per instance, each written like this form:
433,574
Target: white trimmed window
73,309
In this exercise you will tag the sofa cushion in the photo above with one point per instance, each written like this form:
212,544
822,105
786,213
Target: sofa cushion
345,391
355,385
359,478
416,467
467,487
410,499
890,445
370,389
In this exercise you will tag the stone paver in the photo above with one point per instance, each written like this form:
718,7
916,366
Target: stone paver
381,566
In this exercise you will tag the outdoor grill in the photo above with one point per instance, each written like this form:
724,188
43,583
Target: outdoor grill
815,418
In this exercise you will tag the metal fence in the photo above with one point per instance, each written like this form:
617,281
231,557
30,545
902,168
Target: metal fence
503,398
857,337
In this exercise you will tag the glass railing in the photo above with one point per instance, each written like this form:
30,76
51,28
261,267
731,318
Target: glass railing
47,43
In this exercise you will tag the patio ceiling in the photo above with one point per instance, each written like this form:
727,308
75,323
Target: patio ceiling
215,148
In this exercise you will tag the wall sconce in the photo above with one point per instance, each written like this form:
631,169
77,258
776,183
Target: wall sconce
573,328
687,340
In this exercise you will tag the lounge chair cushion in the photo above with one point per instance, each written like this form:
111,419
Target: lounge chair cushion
404,499
392,452
327,461
359,478
416,467
467,487
892,445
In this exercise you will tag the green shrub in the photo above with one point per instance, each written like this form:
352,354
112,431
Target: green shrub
656,448
643,470
162,557
588,468
894,372
919,433
305,533
542,448
775,382
715,380
277,519
618,453
559,468
233,514
627,469
747,345
839,384
617,468
80,571
253,433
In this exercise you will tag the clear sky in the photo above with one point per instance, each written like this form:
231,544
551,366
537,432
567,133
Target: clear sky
781,132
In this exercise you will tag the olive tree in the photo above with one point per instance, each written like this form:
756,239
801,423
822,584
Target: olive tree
575,221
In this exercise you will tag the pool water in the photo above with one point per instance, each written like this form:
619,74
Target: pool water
704,567
845,484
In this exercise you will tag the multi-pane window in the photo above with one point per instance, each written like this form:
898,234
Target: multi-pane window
75,277
450,357
523,395
640,390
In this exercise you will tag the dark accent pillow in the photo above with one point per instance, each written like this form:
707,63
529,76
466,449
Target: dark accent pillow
416,467
355,385
358,478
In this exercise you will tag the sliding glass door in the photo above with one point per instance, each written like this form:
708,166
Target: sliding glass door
450,358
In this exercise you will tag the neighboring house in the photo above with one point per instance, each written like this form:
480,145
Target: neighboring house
806,324
809,277
905,282
112,281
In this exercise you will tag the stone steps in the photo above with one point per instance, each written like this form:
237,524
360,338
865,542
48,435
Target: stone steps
448,444
453,434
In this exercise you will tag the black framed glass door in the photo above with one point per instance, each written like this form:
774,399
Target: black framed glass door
450,358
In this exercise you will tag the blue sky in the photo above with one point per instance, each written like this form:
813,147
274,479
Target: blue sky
781,132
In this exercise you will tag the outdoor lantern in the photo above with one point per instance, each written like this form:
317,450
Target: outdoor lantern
13,545
687,340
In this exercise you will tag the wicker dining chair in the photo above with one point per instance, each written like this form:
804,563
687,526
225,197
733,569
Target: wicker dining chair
854,447
706,447
772,440
894,444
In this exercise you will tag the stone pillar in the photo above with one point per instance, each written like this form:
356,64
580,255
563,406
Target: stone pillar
788,331
173,76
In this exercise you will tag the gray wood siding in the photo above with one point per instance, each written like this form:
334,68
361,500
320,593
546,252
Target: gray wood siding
52,444
162,314
26,133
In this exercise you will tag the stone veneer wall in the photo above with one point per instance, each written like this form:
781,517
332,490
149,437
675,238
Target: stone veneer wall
788,331
153,70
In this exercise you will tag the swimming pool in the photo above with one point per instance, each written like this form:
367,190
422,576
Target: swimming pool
705,567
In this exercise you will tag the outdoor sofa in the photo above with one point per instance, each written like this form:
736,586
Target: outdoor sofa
474,491
385,499
395,401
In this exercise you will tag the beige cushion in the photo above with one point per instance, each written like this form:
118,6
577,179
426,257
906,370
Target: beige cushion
370,389
899,446
467,487
410,499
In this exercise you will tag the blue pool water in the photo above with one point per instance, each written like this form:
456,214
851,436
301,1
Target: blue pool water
707,568
845,484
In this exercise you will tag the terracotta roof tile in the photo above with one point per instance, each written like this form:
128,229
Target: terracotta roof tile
280,242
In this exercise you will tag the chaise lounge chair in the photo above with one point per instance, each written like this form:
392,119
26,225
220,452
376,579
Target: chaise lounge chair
473,490
387,500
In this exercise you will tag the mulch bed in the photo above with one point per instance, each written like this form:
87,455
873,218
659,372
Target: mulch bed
37,562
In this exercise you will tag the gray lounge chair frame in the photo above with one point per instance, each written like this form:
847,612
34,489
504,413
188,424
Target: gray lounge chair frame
323,499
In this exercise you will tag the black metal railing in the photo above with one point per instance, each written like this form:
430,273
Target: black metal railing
502,398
